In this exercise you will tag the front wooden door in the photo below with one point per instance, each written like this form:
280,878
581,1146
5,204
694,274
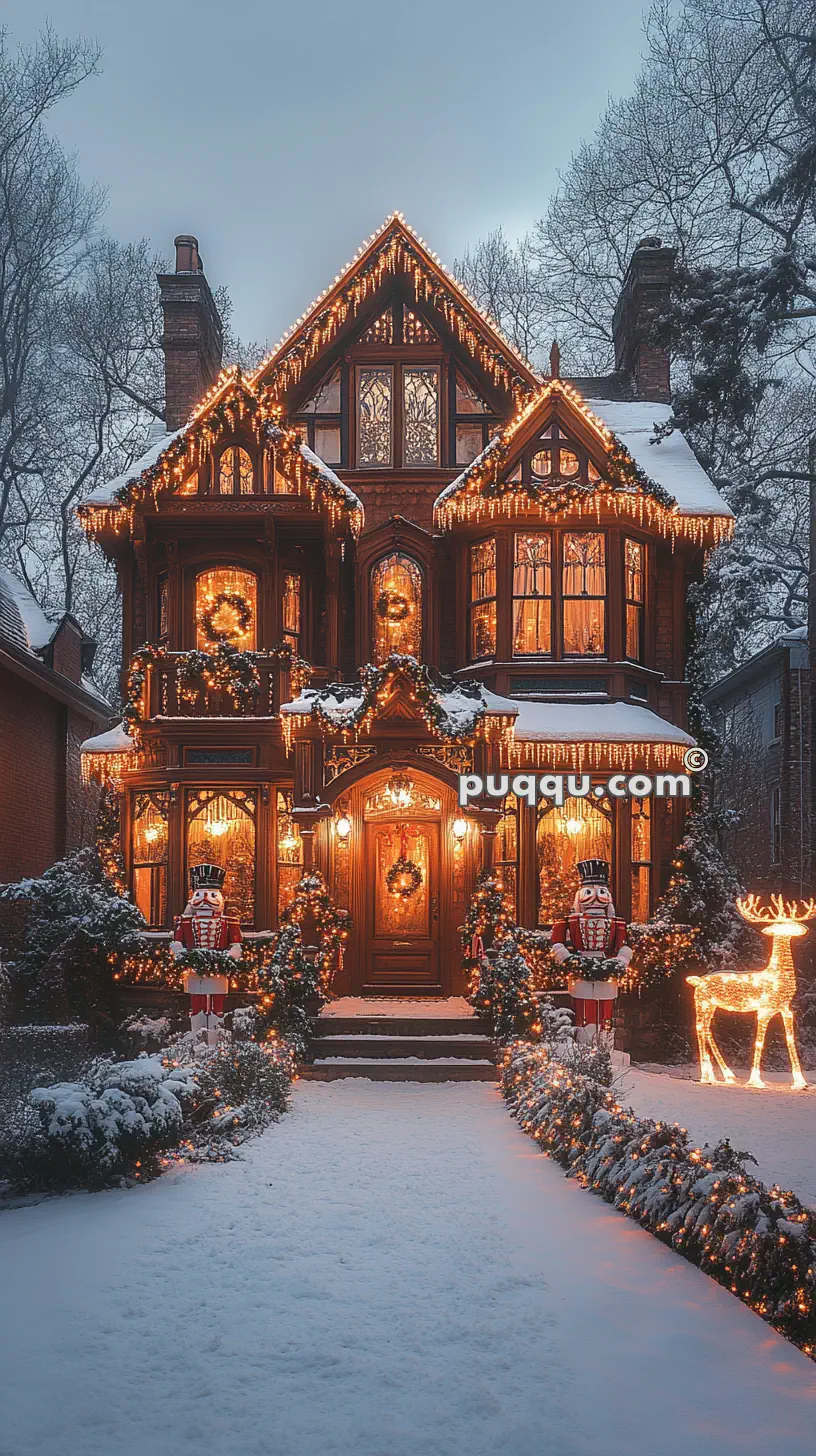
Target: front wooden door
401,954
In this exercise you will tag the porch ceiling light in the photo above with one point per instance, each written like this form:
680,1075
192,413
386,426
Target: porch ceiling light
400,790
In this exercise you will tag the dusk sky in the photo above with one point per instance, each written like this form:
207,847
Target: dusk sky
281,135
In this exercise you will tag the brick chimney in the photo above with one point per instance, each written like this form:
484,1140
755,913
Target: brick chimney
193,336
643,296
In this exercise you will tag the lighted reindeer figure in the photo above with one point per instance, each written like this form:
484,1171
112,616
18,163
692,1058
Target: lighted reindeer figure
766,992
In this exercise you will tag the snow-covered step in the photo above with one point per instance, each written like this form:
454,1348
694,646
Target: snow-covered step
399,1069
399,1025
373,1047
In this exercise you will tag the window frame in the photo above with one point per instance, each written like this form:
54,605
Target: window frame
406,367
239,447
474,602
564,597
384,366
515,596
633,602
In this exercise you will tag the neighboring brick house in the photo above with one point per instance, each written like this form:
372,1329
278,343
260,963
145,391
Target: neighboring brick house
48,705
762,710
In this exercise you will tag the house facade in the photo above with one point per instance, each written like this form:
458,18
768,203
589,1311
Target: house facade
761,712
394,554
48,706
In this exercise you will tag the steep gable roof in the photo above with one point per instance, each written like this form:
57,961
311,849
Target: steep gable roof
660,483
395,248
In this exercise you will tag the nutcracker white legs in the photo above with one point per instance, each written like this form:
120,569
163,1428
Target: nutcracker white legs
594,1003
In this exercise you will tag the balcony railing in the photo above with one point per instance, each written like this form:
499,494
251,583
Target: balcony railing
170,696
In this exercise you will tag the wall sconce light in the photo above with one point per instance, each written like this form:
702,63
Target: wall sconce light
460,828
342,827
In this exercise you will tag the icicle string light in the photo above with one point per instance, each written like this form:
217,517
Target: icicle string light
481,494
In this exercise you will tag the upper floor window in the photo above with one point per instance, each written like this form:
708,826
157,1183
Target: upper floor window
555,456
532,593
583,588
634,554
226,609
164,608
473,424
292,610
321,428
375,415
420,408
396,607
235,473
483,598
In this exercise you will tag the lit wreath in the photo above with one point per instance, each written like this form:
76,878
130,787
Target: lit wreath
393,606
242,610
404,878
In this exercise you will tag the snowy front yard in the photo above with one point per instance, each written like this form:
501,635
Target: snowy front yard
391,1269
777,1125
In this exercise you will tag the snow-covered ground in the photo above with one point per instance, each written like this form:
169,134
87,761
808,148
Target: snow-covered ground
393,1269
776,1124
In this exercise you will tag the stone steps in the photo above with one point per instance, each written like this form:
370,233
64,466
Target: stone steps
399,1047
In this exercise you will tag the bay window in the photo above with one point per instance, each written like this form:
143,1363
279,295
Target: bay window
532,593
583,587
566,834
149,844
221,830
641,855
483,599
634,597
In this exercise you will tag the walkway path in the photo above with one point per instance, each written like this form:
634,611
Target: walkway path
392,1270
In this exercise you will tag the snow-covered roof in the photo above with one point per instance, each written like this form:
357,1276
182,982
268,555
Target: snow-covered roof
594,723
342,708
670,462
22,620
115,740
105,494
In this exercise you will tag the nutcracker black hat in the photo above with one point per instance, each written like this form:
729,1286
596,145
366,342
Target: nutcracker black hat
593,872
207,877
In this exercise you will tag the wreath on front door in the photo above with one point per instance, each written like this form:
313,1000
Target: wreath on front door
240,607
404,878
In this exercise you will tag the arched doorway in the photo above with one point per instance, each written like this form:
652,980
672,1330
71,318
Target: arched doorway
407,877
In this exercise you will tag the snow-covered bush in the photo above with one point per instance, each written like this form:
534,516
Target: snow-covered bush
74,926
115,1122
121,1118
759,1242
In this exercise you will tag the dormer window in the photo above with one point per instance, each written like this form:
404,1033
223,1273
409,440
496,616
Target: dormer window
235,473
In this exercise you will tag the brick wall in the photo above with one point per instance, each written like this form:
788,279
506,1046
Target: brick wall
32,778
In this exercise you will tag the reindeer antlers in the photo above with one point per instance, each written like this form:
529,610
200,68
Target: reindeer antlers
752,910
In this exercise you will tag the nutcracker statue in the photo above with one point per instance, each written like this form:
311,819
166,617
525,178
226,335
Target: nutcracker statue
204,926
591,946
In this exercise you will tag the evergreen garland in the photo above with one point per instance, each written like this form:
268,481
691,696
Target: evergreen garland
428,690
760,1243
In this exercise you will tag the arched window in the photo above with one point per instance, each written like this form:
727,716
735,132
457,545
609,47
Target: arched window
566,834
235,473
396,607
226,609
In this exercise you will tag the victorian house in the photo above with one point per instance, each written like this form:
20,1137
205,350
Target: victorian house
483,567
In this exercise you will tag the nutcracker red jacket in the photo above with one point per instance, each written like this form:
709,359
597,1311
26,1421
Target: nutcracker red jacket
225,934
568,932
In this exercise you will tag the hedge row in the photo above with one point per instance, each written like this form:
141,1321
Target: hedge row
758,1242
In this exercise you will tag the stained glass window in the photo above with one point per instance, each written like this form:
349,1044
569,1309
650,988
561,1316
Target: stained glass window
374,391
641,851
289,851
634,563
584,594
421,416
292,609
483,598
226,609
221,830
149,845
235,474
565,835
396,607
532,593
